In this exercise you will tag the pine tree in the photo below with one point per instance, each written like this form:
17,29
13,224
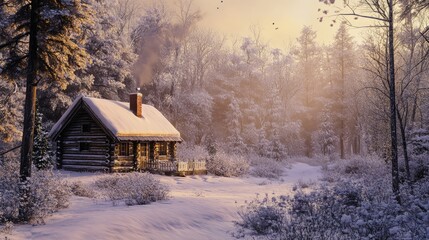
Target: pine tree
42,46
278,149
275,125
42,157
343,60
308,66
235,140
325,138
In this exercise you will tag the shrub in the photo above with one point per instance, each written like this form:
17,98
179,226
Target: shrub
266,167
262,216
227,165
132,188
47,194
326,214
356,205
358,167
9,198
79,189
303,185
419,168
7,228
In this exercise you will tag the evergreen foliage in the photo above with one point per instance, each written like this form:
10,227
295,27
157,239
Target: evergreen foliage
59,31
42,156
325,139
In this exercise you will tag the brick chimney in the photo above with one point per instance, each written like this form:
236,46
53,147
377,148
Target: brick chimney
136,103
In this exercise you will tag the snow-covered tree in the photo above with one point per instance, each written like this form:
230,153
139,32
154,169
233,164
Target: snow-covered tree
192,115
308,65
42,156
111,54
325,139
108,74
386,16
234,141
343,62
42,44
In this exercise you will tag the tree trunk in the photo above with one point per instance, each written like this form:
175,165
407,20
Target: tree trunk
402,127
342,112
29,115
393,134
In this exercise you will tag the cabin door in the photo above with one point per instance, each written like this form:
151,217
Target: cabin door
143,156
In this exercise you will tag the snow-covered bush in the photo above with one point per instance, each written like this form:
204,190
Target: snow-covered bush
81,190
300,184
357,167
334,213
47,193
356,204
419,168
266,167
419,143
132,188
7,228
227,164
9,198
189,152
262,216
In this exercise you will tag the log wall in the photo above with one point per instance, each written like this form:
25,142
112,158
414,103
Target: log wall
72,157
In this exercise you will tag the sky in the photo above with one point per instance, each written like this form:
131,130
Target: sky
234,18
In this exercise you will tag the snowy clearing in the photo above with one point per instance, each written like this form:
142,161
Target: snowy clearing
201,207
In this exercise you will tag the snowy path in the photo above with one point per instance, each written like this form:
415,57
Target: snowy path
201,207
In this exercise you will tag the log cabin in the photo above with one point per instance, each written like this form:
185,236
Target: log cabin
103,135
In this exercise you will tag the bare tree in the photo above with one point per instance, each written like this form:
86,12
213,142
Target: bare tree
382,12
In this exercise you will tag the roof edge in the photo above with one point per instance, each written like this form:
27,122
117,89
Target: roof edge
65,117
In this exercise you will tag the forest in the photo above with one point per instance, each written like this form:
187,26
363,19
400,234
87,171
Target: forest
350,99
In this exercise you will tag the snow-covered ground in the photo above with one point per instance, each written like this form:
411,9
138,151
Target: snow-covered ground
201,207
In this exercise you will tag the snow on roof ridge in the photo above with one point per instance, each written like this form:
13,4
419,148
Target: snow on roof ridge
110,100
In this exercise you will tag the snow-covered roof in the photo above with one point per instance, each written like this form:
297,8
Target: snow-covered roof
121,122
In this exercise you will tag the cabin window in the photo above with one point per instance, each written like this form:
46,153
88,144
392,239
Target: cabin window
124,149
86,127
84,146
163,148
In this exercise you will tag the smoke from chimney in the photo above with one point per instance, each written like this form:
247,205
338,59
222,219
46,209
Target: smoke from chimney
158,33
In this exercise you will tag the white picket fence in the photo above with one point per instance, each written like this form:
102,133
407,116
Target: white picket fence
191,166
176,166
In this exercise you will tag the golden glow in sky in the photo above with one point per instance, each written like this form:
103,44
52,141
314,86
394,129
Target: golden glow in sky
234,18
